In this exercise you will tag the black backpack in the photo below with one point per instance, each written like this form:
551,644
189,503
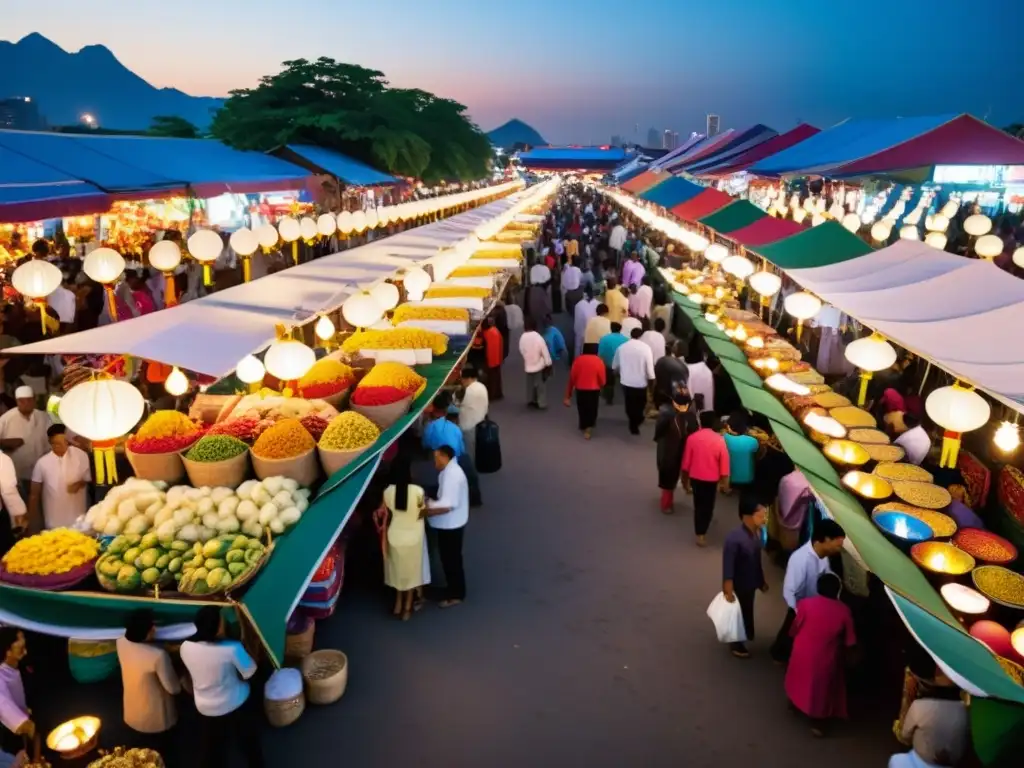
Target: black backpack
488,447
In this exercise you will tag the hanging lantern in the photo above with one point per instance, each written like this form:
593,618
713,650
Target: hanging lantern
1018,257
176,382
957,409
268,237
290,231
309,230
250,371
166,257
766,284
799,214
416,282
361,310
205,247
803,306
870,354
936,240
324,329
909,233
739,267
36,279
245,243
716,253
371,218
881,231
836,211
359,222
386,295
977,225
345,223
939,223
102,411
326,224
288,360
949,209
105,265
1007,437
852,222
988,246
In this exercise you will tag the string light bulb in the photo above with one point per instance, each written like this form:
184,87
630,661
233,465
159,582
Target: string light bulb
324,328
176,382
1007,437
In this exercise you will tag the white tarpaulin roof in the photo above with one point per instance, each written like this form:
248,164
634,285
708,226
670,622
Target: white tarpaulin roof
210,335
959,313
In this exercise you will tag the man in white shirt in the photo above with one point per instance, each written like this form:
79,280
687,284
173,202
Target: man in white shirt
14,505
582,312
805,565
635,365
640,302
536,361
23,435
64,303
59,481
701,382
629,324
655,339
572,276
540,274
915,441
617,239
472,408
448,516
938,728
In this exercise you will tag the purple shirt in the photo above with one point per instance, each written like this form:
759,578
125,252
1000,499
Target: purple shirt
741,560
633,273
964,516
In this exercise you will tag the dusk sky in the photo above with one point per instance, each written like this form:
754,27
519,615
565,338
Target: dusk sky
582,71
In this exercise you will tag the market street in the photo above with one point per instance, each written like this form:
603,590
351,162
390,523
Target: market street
584,639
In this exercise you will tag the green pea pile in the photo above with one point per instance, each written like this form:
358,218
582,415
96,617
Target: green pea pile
216,448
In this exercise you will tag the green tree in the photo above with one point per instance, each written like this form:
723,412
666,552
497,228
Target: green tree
172,126
1016,129
352,109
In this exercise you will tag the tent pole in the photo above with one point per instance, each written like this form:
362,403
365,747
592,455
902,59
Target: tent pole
924,378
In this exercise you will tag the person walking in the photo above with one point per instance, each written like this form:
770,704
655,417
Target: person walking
634,365
677,420
670,373
406,561
149,681
618,304
14,515
572,277
587,377
448,515
607,348
742,571
555,341
743,449
705,470
823,634
494,354
536,362
473,405
585,309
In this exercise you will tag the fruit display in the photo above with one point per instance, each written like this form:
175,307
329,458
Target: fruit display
414,312
220,564
349,431
456,292
60,553
122,757
284,440
399,338
216,448
164,432
327,377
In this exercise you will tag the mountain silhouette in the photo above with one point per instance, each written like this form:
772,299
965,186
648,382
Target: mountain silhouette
67,85
515,132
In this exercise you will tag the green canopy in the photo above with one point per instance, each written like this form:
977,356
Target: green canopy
759,400
724,349
709,330
820,246
740,372
734,216
806,455
997,732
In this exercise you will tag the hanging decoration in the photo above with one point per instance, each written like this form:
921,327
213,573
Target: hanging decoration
105,266
166,257
206,246
102,411
245,243
35,280
957,409
871,354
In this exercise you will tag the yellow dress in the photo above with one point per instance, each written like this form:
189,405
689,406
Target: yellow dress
407,565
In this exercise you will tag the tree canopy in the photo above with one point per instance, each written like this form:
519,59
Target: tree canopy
172,126
407,132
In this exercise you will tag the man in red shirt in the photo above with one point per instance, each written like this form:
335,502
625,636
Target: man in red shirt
494,353
705,468
587,377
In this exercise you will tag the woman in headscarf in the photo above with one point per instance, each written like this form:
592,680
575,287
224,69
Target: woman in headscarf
677,420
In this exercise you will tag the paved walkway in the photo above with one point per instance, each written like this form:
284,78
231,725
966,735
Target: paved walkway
584,640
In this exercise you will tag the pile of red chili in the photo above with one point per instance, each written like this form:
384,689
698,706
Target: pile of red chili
377,395
244,429
324,388
985,546
163,444
315,424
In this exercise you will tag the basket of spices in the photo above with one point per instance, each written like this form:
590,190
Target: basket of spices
985,546
154,451
940,558
326,676
851,417
216,460
830,400
921,494
846,454
891,470
867,487
346,438
286,449
385,394
328,380
903,530
1000,585
822,428
881,452
943,526
869,436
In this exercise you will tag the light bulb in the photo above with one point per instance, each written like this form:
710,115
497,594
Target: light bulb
324,328
176,383
1007,437
250,370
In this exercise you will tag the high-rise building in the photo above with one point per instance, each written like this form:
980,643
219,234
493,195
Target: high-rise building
21,114
653,138
669,139
618,141
713,125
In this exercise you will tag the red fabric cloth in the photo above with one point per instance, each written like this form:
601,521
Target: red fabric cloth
707,202
706,456
892,400
766,231
494,346
588,373
815,677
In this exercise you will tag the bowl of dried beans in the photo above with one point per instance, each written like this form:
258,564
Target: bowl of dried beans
985,546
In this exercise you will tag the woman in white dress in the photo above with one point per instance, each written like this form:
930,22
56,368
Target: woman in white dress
406,562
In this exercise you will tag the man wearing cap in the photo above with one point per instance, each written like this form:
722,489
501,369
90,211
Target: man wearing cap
23,436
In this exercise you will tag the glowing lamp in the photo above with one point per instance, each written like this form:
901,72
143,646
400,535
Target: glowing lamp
803,306
326,224
324,328
716,253
781,383
870,354
799,214
308,229
1016,639
250,370
36,280
1018,257
936,240
345,223
372,220
205,246
868,216
964,600
75,738
977,225
245,243
846,453
909,232
817,219
267,235
386,295
988,246
949,209
852,222
1007,437
165,256
105,266
358,221
824,425
101,411
739,267
881,231
836,211
361,310
766,284
938,223
290,229
957,409
288,359
416,281
176,382
995,636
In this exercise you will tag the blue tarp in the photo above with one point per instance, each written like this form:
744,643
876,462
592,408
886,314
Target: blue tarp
28,187
844,143
343,167
672,192
569,154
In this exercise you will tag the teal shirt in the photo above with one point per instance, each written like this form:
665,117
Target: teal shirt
742,452
607,346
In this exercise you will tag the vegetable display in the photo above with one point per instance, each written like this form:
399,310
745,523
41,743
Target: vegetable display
216,448
50,553
164,432
327,377
399,338
413,312
349,431
284,440
219,563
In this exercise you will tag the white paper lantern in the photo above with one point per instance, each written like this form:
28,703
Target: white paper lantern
371,218
1018,257
739,267
802,305
766,284
836,211
817,219
267,235
288,360
324,328
909,233
936,240
872,353
244,242
988,246
308,229
716,253
205,246
799,214
165,256
416,282
345,223
939,223
101,410
852,222
386,295
361,310
290,229
326,224
881,231
104,265
250,370
176,382
977,225
36,279
358,221
957,409
949,209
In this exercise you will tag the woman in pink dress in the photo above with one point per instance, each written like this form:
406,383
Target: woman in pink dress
815,677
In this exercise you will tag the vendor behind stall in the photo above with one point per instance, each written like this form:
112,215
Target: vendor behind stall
59,482
23,435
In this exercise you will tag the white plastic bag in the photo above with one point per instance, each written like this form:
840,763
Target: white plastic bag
728,620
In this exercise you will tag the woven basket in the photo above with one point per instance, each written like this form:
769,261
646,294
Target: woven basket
384,415
325,690
156,466
299,645
332,461
303,469
283,713
228,473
